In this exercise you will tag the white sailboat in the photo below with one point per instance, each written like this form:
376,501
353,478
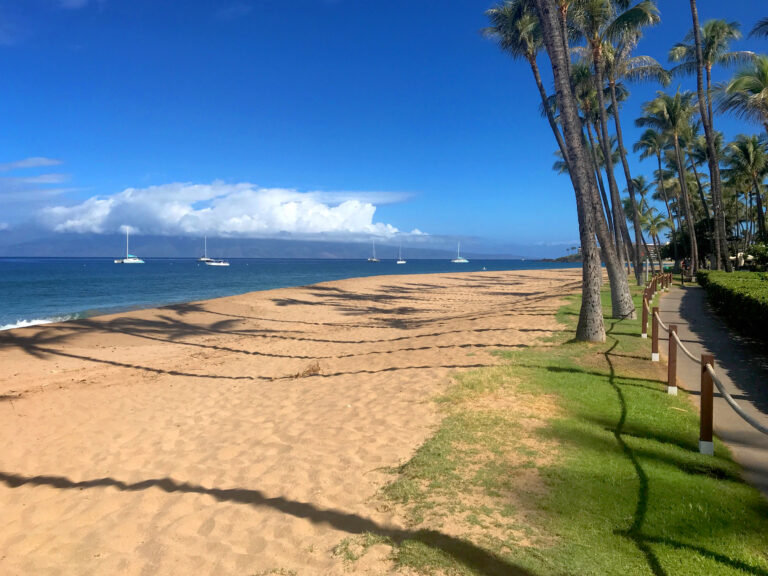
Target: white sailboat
129,258
211,262
373,258
400,255
459,259
205,251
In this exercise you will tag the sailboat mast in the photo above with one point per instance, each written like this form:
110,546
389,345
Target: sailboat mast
126,242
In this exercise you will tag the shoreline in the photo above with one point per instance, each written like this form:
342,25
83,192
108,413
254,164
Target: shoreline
62,314
240,434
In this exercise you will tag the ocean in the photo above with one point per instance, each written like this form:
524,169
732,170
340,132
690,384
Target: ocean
42,290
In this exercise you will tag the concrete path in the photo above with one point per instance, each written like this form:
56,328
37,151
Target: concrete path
742,366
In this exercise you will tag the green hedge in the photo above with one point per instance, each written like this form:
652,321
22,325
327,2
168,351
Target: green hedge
742,298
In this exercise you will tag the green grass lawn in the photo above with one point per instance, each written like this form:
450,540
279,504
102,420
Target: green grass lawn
571,458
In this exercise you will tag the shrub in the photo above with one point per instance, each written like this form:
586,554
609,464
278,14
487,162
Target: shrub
742,297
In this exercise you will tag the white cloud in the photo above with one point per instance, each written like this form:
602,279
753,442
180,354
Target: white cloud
3,226
34,162
223,209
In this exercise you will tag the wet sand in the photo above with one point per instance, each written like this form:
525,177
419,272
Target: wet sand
240,435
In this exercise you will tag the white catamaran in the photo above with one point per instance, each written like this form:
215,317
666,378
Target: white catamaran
129,258
459,259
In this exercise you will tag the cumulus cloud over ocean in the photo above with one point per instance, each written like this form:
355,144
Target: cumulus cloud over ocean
219,208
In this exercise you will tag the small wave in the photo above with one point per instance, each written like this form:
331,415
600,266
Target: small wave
35,322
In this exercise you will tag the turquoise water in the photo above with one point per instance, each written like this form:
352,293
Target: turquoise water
38,290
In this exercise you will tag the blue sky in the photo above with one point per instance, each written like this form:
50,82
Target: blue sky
346,118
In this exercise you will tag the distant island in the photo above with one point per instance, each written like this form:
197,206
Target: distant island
574,256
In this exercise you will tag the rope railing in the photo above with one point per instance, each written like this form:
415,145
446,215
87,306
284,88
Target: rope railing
728,398
684,349
709,378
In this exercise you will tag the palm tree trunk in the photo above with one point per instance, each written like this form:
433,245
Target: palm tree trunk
620,239
547,110
703,200
590,326
708,70
599,178
622,305
630,185
759,206
618,217
720,237
660,178
687,208
657,243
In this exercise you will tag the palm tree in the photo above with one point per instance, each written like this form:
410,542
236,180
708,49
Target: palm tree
672,114
601,22
619,63
746,95
654,223
518,30
715,36
761,28
747,157
590,326
717,46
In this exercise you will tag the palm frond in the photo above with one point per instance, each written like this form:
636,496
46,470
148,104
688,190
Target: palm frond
760,29
646,13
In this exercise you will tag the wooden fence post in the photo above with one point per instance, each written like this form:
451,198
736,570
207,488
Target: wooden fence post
706,446
672,361
645,316
655,334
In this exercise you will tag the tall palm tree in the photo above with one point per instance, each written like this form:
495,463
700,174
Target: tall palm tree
747,156
720,241
746,95
601,22
619,63
652,143
518,30
761,28
590,326
715,37
672,114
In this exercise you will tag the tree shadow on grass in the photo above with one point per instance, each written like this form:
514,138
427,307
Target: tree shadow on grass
465,553
635,531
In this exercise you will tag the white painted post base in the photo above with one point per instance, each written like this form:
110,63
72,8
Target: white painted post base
672,390
654,356
706,448
643,335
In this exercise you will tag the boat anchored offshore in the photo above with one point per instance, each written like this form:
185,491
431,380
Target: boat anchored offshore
205,251
212,262
459,259
400,256
373,258
129,258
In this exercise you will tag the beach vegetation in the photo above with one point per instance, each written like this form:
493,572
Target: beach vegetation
741,298
570,458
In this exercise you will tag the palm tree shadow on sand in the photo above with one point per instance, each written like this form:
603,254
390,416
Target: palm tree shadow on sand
463,552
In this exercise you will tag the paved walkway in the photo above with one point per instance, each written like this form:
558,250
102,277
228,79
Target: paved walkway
741,365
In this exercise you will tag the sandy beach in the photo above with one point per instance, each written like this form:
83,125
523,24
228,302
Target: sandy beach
240,435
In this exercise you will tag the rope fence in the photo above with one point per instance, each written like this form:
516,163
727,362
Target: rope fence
709,378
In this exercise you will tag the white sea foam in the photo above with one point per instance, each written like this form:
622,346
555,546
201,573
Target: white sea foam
35,322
